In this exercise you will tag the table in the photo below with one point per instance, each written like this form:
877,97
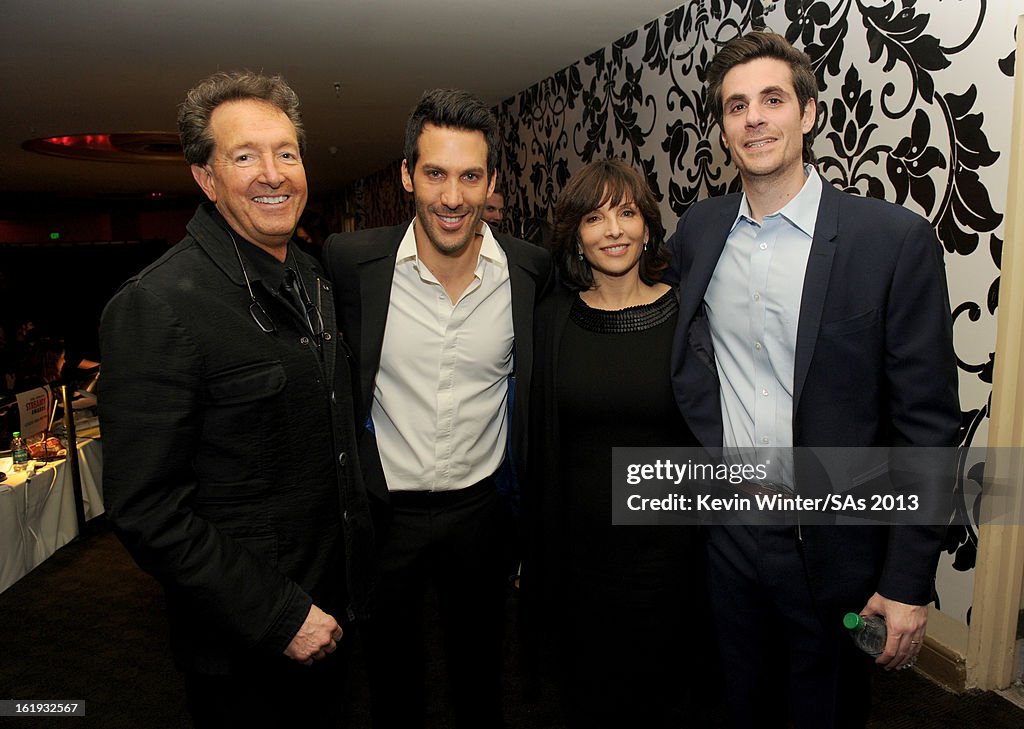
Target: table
37,516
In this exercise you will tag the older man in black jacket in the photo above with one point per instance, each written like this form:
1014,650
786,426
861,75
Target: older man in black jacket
231,473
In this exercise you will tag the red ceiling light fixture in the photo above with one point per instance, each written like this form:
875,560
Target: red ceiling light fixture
135,147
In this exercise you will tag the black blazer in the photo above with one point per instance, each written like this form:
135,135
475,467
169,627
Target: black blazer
874,366
362,266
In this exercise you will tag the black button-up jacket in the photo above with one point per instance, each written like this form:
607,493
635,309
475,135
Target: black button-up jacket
230,470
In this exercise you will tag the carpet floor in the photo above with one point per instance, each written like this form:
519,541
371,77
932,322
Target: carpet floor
89,625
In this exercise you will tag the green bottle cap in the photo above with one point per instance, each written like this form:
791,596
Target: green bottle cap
853,621
17,433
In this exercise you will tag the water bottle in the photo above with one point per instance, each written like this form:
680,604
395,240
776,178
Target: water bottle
867,632
19,452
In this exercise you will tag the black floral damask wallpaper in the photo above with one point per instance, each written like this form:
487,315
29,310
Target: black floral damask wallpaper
914,108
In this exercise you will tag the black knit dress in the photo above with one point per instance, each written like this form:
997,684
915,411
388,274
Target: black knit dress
628,591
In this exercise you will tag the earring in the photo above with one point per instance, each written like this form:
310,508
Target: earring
645,246
579,253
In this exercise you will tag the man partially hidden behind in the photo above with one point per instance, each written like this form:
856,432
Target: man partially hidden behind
808,317
494,209
439,311
230,465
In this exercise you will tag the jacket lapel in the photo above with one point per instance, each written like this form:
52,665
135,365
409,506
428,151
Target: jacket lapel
375,277
692,333
705,259
215,237
816,278
523,285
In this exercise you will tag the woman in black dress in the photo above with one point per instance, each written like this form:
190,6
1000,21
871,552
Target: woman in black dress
616,601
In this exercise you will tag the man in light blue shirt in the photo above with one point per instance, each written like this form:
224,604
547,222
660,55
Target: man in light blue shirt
808,317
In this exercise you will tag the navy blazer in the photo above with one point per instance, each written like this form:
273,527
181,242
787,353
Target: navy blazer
874,366
362,266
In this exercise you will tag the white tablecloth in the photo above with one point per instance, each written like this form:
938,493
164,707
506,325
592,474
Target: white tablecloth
37,516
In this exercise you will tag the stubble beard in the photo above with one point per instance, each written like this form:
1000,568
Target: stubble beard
443,243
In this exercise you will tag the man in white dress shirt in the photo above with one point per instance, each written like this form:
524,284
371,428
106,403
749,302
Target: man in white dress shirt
439,314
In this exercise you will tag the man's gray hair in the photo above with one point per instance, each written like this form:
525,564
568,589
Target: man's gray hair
195,111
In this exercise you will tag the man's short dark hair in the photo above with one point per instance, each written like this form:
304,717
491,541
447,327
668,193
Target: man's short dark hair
452,109
762,44
605,181
195,111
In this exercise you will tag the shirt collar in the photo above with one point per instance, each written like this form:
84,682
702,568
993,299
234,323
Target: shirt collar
407,248
489,248
262,266
801,211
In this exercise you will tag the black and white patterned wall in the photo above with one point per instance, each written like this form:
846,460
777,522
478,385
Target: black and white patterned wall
915,108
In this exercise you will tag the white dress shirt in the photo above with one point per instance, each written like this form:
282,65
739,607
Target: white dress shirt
440,399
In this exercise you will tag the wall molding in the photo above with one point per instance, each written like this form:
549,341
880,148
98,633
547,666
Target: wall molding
992,643
942,665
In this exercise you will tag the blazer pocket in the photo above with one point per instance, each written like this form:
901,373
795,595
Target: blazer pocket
246,383
866,320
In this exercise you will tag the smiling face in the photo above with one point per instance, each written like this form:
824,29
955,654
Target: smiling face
494,210
612,239
255,175
450,188
763,124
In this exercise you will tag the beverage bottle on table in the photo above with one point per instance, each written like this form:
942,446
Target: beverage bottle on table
19,452
867,632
